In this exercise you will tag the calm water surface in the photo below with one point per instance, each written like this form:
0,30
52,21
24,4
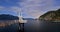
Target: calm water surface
30,26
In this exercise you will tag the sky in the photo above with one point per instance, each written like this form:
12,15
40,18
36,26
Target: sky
29,8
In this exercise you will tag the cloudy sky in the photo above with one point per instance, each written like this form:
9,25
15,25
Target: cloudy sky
29,8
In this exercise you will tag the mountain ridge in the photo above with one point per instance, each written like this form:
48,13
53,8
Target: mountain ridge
11,17
51,15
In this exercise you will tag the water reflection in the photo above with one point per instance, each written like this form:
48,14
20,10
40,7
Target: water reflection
8,25
4,23
30,26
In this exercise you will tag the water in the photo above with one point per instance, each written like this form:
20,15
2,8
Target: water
8,26
42,26
30,26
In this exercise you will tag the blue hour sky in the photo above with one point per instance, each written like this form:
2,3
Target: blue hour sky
29,8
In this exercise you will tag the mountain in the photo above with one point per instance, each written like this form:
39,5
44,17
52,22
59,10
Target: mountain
8,17
51,15
11,17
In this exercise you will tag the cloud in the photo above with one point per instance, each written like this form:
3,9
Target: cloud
2,8
36,8
13,9
9,3
16,9
33,8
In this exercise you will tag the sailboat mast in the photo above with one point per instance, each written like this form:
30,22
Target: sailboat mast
21,24
20,16
20,13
